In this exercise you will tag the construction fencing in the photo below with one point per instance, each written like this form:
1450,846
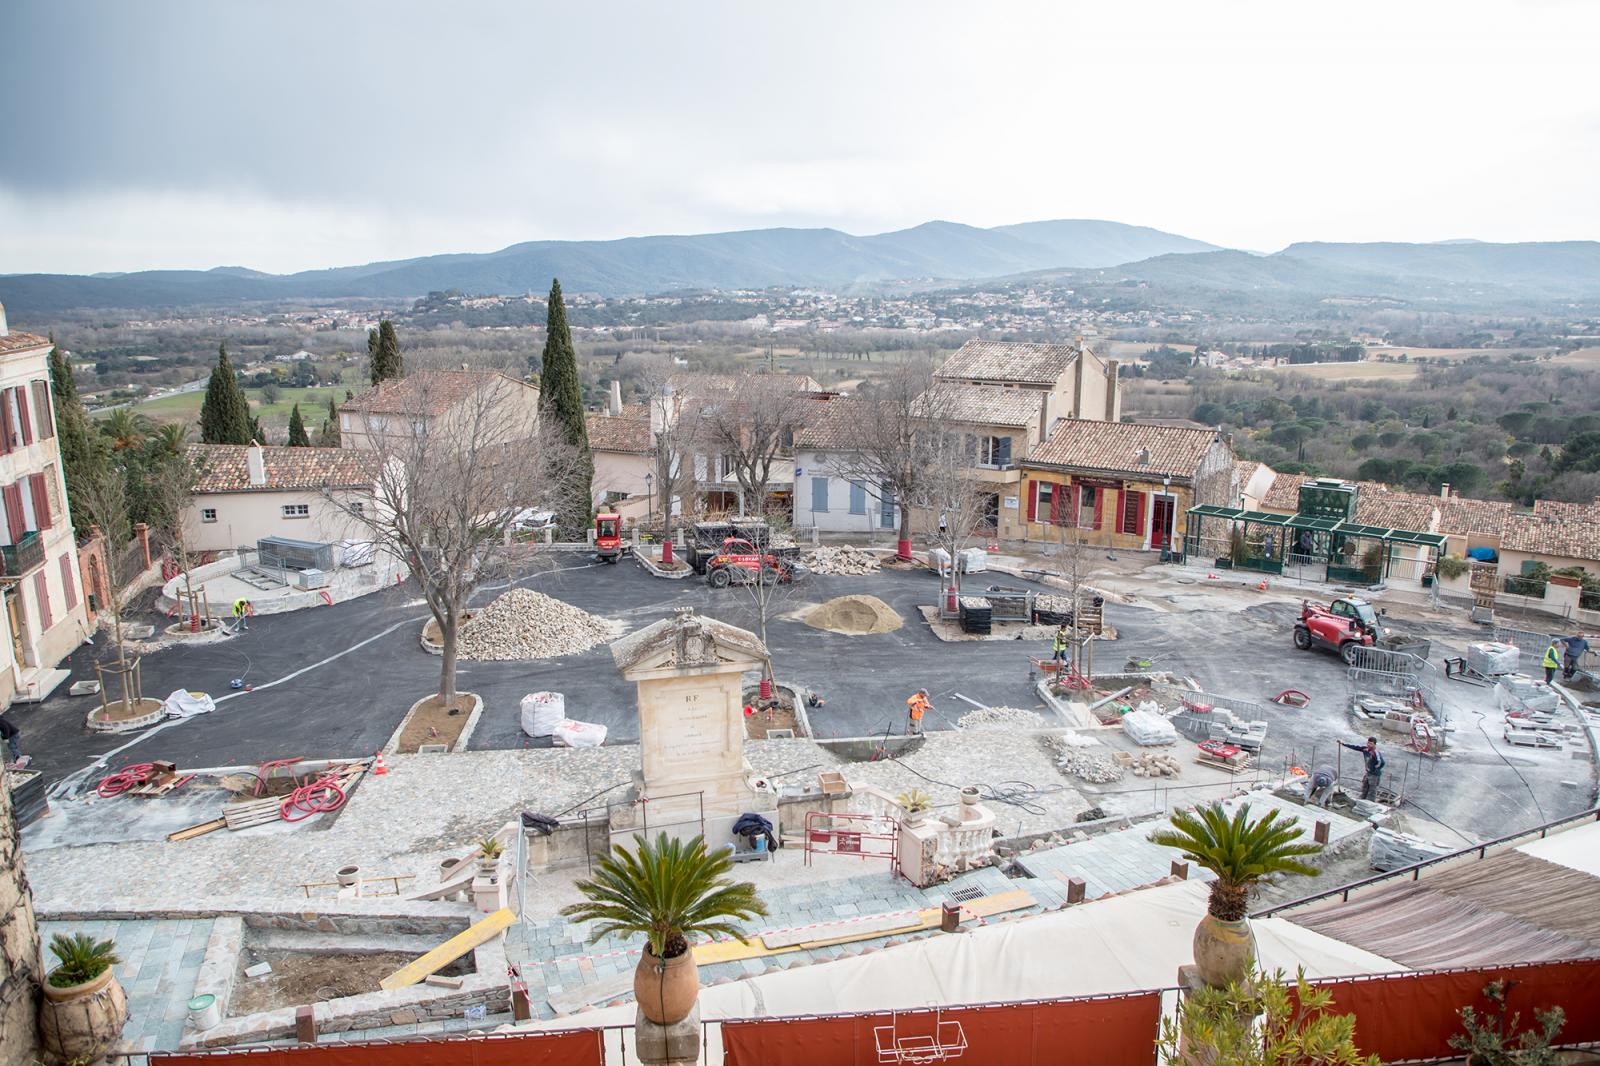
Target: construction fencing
579,1047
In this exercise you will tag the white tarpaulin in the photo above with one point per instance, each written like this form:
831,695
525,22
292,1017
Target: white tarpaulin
183,704
1576,849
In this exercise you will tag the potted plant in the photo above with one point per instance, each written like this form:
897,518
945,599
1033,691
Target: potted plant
916,804
669,891
1242,852
84,1007
489,850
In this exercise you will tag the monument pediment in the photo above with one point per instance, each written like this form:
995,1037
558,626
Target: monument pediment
686,641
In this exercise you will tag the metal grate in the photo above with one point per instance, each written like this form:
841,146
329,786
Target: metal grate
966,893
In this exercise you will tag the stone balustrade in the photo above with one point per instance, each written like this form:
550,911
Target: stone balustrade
937,846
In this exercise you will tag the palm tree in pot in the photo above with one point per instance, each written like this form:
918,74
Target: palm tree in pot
1242,852
668,890
84,1007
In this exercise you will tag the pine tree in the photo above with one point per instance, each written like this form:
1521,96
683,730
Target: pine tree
383,353
561,400
297,430
329,437
225,414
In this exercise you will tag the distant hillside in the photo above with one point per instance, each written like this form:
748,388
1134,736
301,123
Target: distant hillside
1548,267
738,260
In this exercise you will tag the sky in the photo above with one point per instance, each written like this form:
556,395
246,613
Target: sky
294,134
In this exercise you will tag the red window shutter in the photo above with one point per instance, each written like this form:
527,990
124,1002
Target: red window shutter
69,588
1031,490
41,591
22,414
1099,505
41,501
1138,515
6,426
15,524
41,410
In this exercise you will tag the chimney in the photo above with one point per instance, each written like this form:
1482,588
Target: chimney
1444,491
614,400
3,330
255,461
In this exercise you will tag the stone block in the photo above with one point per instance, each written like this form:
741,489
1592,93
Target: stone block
668,1045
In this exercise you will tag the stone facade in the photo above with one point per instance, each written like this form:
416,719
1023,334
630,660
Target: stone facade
19,946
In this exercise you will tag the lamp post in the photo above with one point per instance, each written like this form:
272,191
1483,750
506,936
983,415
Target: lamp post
649,496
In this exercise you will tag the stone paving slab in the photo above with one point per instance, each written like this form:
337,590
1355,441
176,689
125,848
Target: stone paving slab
160,961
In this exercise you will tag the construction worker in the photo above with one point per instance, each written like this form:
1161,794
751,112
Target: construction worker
10,733
917,706
1375,763
1576,647
241,614
1063,641
1552,661
1321,788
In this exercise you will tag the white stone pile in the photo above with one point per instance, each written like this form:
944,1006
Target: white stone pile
1000,718
1074,756
523,624
1149,764
843,561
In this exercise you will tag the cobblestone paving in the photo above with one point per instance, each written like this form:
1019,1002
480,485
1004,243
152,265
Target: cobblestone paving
160,960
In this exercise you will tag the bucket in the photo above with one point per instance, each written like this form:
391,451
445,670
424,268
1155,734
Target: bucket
766,688
666,550
204,1012
348,875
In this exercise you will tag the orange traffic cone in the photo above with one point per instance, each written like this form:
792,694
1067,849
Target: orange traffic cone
378,769
1263,585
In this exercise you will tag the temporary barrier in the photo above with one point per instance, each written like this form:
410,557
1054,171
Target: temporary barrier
579,1047
1413,1015
1104,1031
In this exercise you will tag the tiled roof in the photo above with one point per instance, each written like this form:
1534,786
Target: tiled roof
618,433
1483,517
1021,363
21,342
1124,448
978,405
1563,530
224,468
1396,510
833,429
428,391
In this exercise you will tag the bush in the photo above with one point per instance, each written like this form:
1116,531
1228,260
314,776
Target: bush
81,958
1493,1040
1452,566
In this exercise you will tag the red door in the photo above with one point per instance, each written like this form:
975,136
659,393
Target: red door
1161,522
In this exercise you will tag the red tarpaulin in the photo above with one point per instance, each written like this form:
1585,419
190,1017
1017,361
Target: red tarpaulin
1113,1031
576,1048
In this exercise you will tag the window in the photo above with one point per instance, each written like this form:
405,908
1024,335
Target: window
1044,496
887,520
42,416
357,507
993,451
726,466
297,510
858,497
1088,496
208,514
819,493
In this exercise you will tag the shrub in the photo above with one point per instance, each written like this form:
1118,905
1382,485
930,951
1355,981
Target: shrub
81,958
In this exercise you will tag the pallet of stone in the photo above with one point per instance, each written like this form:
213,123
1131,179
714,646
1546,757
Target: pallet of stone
976,615
1223,756
252,812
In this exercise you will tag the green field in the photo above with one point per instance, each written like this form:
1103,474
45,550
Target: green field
313,406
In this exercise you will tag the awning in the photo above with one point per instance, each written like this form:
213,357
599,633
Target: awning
1320,524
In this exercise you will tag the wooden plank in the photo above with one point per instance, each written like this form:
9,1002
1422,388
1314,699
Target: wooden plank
450,950
199,830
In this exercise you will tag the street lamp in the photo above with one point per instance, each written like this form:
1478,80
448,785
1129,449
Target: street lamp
649,496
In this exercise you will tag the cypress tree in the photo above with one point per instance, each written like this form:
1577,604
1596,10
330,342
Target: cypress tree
258,432
329,437
383,353
297,430
81,453
225,414
561,399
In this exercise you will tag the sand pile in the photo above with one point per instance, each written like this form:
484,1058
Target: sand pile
523,624
855,615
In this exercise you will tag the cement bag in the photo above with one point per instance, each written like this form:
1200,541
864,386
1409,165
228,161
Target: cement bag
570,734
938,558
1491,659
355,552
542,712
1150,707
1148,730
974,561
1391,850
184,704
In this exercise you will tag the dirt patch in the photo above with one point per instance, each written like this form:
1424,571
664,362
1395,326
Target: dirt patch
299,978
778,715
854,616
435,722
116,712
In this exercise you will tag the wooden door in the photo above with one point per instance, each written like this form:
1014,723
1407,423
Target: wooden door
1161,522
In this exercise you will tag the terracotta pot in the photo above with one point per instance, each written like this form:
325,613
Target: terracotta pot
666,990
1223,950
82,1022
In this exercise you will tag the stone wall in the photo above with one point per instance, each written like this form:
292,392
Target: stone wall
19,946
575,842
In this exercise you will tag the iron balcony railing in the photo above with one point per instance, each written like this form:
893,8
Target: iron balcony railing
23,556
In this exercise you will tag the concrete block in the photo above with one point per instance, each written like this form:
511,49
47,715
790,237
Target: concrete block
305,1025
441,981
260,969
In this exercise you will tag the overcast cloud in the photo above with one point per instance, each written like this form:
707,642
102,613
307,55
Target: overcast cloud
285,135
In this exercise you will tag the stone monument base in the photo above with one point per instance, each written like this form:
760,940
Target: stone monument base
677,1044
683,815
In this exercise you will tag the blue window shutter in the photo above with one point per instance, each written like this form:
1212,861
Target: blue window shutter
819,493
1002,455
888,508
858,497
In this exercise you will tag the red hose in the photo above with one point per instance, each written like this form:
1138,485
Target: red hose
124,779
316,798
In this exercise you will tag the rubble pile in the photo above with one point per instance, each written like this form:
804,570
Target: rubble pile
1149,764
842,561
1000,718
1096,769
523,624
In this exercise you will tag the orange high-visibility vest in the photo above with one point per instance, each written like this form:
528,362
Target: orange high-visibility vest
918,704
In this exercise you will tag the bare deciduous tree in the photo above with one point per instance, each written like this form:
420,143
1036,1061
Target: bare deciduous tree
674,429
449,489
949,493
753,425
889,448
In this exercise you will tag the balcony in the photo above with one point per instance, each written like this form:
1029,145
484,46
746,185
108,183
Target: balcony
23,556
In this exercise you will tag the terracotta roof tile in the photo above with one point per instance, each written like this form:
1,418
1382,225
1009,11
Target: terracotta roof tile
224,468
1563,530
1483,517
619,433
1397,510
979,405
1125,448
429,391
1021,363
21,342
833,428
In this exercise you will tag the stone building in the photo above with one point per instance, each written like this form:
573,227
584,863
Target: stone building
19,946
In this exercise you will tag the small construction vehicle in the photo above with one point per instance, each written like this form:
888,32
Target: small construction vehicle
608,537
1343,626
739,561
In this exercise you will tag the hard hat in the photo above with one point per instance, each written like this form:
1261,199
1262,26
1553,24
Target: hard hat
237,682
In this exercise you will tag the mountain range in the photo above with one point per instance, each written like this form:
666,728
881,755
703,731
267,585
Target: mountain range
940,252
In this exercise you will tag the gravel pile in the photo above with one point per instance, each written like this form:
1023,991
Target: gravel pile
842,561
523,624
1000,718
1096,769
1149,764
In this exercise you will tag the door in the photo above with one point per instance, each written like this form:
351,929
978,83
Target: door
990,522
1161,513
